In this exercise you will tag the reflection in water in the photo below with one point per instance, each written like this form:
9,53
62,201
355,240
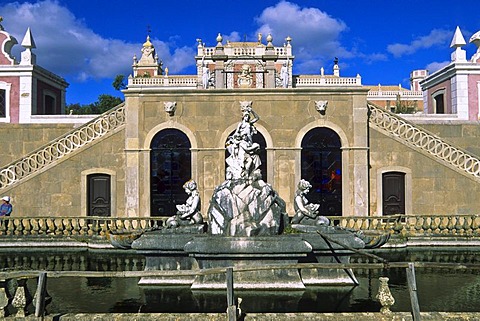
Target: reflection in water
438,289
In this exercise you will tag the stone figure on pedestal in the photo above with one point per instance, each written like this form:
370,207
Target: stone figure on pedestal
284,75
205,74
306,213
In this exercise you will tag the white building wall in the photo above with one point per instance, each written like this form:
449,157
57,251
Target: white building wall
459,92
25,101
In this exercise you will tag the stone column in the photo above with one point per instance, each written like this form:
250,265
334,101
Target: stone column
359,153
132,157
269,58
219,71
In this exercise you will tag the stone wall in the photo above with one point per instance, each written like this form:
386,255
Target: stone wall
61,189
432,188
208,118
21,139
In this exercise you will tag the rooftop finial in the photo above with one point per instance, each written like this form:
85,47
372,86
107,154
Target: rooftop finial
219,40
458,42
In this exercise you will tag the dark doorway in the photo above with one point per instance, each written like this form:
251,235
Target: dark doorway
170,168
321,161
99,195
393,192
439,104
260,140
3,103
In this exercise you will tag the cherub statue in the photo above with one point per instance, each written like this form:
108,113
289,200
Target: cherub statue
306,213
188,213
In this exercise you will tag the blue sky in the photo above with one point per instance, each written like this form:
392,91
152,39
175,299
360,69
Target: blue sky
90,42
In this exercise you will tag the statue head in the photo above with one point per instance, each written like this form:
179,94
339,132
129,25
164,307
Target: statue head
304,185
190,185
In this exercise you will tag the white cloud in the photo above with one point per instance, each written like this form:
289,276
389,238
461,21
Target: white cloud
434,66
315,34
435,37
66,46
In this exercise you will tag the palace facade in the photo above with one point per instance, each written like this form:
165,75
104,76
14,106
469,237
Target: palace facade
360,158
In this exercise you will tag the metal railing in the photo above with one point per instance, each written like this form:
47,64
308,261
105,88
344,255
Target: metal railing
19,300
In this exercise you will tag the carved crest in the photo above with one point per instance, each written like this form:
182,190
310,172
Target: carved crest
170,107
321,105
245,106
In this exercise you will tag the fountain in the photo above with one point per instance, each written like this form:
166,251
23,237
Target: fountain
247,223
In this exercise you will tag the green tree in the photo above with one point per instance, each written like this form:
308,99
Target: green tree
119,82
104,103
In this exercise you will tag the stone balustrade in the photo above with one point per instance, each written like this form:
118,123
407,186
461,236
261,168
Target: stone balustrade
255,51
310,81
75,226
392,94
182,82
190,82
97,227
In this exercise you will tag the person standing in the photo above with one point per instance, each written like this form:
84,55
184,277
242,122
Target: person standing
6,207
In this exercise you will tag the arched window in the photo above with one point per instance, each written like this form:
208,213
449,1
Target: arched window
98,195
393,193
170,168
321,161
260,140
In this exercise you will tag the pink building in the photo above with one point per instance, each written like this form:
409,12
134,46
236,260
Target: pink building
454,90
26,89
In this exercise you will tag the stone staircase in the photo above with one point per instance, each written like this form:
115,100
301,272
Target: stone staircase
57,150
424,142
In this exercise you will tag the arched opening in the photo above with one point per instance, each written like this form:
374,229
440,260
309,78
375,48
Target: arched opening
439,102
99,195
170,168
260,140
321,163
393,193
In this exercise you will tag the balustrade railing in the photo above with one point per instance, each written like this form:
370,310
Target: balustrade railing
305,81
76,226
97,227
393,94
62,146
164,81
422,140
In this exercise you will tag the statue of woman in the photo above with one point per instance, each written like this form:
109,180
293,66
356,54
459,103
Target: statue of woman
244,153
188,213
306,213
